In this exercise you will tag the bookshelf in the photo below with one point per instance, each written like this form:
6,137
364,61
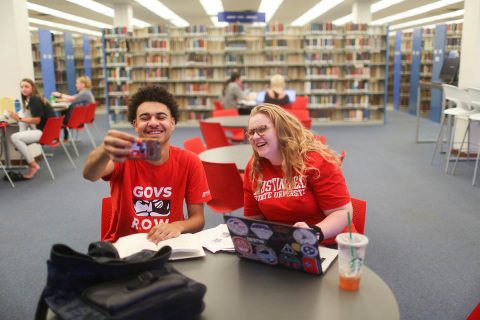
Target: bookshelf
98,74
406,62
340,69
116,57
426,68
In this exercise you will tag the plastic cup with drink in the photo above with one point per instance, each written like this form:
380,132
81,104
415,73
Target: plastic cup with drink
351,255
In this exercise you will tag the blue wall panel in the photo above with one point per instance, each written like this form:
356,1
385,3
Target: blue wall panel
69,62
87,58
397,70
439,45
415,70
46,62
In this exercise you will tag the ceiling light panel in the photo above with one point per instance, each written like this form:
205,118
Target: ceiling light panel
269,7
163,12
416,11
66,16
374,7
316,11
424,21
104,10
64,27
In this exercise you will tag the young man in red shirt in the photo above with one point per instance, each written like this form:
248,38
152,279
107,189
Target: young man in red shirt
147,195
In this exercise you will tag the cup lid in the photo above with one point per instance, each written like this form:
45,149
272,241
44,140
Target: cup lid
357,239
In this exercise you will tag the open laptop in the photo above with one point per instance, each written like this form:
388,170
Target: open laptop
279,244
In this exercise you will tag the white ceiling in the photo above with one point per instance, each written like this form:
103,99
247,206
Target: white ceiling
193,12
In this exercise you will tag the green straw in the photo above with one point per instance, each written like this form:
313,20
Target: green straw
350,233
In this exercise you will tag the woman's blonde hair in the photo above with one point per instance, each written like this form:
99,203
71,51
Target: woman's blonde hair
277,83
295,141
86,81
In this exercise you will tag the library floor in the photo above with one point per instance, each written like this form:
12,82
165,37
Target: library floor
422,224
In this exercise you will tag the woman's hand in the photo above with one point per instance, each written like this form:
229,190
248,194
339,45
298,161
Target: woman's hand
14,115
301,224
56,94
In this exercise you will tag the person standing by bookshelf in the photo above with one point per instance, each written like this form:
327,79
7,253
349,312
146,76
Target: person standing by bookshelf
292,177
148,195
276,94
36,111
233,91
83,97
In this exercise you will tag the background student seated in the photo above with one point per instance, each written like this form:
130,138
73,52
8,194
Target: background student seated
148,195
36,110
276,94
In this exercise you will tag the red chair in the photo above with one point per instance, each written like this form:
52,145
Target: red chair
106,217
475,315
358,220
359,213
303,116
237,134
321,138
89,119
213,134
51,137
301,102
194,144
76,122
218,105
226,186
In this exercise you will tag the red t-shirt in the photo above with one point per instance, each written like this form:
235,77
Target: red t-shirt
144,195
305,201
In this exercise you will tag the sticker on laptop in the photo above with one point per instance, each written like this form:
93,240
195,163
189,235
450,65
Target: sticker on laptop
288,249
309,250
304,236
242,245
290,261
261,230
237,226
266,254
310,265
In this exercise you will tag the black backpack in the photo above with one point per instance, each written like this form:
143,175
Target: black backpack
102,286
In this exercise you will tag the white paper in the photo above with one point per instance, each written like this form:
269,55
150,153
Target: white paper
185,246
216,239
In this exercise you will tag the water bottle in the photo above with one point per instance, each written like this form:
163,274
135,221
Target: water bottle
52,99
18,105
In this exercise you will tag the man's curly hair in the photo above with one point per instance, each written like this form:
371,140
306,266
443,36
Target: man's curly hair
152,93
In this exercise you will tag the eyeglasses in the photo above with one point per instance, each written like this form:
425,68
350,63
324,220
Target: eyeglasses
259,130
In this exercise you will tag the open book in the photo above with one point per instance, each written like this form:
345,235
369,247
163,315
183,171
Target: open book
183,247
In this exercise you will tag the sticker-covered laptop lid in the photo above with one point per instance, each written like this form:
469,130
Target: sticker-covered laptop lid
276,244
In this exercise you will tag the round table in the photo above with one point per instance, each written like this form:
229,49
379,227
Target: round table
241,289
239,154
231,122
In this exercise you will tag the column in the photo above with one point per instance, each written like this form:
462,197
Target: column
16,54
470,52
361,11
469,69
123,16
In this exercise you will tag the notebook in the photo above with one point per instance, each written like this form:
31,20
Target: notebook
279,244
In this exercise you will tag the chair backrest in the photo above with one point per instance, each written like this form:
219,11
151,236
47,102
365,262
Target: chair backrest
77,117
106,216
460,97
359,213
217,104
194,144
303,116
301,102
90,112
474,94
213,134
226,186
51,131
225,113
